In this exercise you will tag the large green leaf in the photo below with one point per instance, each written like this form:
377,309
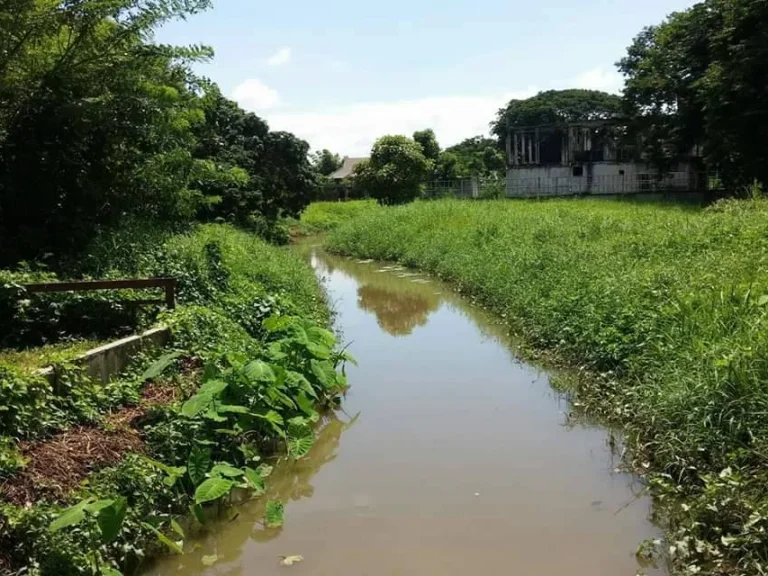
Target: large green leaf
213,387
274,514
321,336
160,366
232,409
299,446
299,382
212,489
319,351
110,519
259,371
306,405
71,516
227,470
254,480
203,399
198,463
324,372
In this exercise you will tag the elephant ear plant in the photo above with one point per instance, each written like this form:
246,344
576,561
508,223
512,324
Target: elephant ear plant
243,410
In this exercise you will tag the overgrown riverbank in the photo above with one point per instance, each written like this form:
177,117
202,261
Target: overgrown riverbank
147,458
665,307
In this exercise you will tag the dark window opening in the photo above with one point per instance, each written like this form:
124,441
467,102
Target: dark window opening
578,170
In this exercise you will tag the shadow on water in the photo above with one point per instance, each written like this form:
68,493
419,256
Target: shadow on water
463,459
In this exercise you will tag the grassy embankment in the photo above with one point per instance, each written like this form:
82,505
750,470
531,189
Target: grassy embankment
320,217
665,308
144,457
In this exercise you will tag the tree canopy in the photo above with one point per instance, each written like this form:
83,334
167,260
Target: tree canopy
428,142
326,162
556,107
478,156
99,123
698,78
395,171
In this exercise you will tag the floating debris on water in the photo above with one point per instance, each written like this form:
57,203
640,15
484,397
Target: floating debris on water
407,275
420,281
364,261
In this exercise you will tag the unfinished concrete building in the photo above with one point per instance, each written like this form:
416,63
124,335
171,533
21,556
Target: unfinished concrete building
587,158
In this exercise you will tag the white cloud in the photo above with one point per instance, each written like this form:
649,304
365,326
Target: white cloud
282,56
351,130
599,79
256,96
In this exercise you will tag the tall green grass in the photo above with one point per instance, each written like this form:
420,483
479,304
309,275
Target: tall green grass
665,306
323,216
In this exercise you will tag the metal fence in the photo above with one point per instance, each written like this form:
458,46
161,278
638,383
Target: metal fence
643,183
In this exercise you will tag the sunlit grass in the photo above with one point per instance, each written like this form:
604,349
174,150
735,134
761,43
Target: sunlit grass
667,305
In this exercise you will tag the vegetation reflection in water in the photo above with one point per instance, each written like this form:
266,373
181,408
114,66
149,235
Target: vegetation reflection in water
290,481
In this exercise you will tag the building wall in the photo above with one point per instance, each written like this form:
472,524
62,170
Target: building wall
595,178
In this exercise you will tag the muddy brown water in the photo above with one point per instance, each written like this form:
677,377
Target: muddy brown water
451,456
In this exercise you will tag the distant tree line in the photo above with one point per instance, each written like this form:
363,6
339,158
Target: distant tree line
99,123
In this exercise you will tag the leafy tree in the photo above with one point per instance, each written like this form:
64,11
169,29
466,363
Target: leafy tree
555,107
394,172
326,162
94,120
428,142
698,78
478,156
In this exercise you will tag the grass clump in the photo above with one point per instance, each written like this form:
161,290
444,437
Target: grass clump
667,307
323,216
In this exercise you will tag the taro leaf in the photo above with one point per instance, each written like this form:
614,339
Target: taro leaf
301,442
212,387
347,357
274,514
109,571
254,479
319,351
160,366
259,371
210,560
70,517
306,405
299,382
110,519
198,464
213,415
224,469
176,547
264,470
212,489
203,398
321,336
274,419
276,323
324,372
232,409
275,351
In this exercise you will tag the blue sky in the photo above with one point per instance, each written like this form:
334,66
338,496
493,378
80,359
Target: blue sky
341,73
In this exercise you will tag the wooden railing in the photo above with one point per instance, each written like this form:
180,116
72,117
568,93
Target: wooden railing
168,284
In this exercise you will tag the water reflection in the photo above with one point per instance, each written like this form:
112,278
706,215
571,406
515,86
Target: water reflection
397,313
290,481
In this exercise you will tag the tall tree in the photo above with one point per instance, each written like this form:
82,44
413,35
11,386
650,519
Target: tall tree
428,142
326,162
698,78
395,171
94,120
555,107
